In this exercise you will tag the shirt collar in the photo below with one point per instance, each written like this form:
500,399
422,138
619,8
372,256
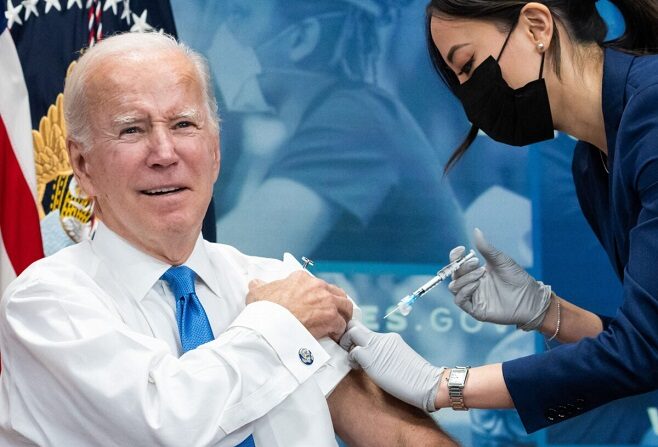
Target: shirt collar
139,271
616,67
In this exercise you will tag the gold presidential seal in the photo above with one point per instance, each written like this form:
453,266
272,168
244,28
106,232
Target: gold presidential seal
64,209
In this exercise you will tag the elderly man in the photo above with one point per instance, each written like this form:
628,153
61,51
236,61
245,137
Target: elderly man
142,336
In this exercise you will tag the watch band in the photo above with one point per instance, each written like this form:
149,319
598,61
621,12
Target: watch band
456,382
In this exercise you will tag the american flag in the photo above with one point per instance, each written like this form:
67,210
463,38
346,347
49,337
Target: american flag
41,208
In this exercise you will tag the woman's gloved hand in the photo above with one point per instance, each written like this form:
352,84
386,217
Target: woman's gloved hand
393,365
500,292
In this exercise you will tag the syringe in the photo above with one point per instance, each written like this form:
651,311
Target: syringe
406,303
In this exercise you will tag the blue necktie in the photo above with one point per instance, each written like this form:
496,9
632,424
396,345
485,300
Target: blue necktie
193,325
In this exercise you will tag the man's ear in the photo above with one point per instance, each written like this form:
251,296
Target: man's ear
217,157
78,158
538,24
305,39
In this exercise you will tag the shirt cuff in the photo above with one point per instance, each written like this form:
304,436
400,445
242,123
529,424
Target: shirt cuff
339,364
335,370
297,349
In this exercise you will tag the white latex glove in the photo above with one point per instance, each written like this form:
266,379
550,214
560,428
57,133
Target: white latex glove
393,365
501,292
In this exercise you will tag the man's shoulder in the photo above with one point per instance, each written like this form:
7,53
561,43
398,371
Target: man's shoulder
234,254
67,260
264,268
66,268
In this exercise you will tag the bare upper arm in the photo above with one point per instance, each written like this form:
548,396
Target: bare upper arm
364,415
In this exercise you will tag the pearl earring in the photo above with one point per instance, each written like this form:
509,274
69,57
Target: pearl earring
540,46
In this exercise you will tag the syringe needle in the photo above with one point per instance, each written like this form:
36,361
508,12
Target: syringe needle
392,312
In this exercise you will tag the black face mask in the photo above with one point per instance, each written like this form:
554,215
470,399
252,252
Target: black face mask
516,117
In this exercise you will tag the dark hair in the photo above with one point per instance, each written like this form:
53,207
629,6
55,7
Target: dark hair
580,18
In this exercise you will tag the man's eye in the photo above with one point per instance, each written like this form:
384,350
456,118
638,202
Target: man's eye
467,67
130,130
184,124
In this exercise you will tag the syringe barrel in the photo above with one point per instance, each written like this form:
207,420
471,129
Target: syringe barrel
443,274
453,266
427,286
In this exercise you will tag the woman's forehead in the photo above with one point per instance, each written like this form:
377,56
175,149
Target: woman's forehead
473,28
448,32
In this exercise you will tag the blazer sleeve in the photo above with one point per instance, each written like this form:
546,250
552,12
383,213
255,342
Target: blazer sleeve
623,359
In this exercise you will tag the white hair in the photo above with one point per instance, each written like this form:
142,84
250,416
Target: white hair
126,45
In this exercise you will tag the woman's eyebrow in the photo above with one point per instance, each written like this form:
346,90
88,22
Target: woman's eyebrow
454,48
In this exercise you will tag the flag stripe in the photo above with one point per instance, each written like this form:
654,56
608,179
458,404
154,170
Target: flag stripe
15,109
20,234
19,219
7,273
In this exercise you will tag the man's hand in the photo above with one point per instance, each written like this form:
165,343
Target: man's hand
501,292
393,365
322,308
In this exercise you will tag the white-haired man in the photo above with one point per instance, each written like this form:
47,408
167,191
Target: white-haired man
142,336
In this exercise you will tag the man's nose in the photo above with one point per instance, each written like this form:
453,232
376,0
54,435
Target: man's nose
162,149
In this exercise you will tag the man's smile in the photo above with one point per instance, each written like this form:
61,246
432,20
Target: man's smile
163,190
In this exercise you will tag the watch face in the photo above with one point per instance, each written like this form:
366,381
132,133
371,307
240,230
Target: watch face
457,377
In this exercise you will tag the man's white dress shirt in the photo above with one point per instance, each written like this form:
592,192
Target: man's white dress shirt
91,355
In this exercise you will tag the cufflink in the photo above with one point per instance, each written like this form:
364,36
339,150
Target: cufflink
306,356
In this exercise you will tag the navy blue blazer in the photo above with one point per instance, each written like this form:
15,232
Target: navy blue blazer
622,209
